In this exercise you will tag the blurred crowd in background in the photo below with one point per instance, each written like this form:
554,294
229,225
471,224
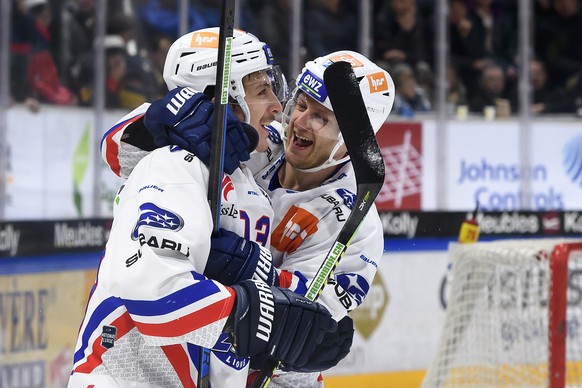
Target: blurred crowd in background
52,48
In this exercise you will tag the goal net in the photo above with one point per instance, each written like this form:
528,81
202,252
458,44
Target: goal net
514,317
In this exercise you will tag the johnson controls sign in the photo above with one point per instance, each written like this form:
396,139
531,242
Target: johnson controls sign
494,166
496,185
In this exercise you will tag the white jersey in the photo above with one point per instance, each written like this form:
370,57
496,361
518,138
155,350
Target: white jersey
307,223
150,306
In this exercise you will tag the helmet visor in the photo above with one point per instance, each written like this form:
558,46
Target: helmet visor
304,112
270,83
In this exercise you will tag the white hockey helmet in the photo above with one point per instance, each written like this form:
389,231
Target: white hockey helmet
376,86
192,61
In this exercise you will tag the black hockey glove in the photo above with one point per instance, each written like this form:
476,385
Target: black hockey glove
185,118
276,321
333,348
232,259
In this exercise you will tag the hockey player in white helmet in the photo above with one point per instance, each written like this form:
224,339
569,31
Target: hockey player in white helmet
312,187
164,288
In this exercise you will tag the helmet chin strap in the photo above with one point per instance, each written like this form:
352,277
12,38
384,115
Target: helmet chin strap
244,107
330,161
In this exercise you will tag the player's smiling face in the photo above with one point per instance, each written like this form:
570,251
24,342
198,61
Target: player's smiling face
264,106
312,133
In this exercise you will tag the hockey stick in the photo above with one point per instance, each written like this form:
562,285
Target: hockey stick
217,145
220,109
349,108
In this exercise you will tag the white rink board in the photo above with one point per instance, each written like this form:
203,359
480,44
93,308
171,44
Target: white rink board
407,333
45,158
481,161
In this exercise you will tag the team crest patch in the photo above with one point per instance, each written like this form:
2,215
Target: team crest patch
348,197
355,285
274,135
153,216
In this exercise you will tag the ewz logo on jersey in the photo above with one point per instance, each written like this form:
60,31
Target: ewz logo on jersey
572,159
348,197
153,216
355,285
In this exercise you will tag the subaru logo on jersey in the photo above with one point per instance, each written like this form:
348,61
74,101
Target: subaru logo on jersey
348,197
355,285
155,217
313,86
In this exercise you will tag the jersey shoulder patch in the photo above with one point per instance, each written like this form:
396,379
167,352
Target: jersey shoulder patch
348,197
274,135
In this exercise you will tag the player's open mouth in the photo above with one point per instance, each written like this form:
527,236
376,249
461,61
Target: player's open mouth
301,141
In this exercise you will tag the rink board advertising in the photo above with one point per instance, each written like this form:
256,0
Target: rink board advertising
29,238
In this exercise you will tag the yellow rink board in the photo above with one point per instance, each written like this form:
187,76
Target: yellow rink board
408,379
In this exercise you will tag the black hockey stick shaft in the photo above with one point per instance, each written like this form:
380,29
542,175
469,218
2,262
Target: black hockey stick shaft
217,145
358,134
220,109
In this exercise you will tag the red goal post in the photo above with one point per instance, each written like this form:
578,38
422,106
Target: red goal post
514,317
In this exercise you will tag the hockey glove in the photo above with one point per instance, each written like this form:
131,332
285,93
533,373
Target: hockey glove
333,348
185,118
286,326
232,259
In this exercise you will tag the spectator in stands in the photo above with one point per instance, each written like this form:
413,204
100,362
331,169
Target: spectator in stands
558,40
22,36
162,17
548,97
274,19
456,91
573,92
210,11
499,26
491,91
42,73
139,77
467,45
118,89
78,33
410,98
400,36
158,50
331,25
